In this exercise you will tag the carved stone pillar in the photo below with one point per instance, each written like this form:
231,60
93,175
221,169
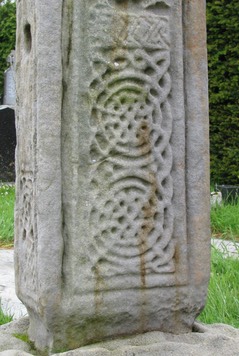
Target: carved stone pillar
112,214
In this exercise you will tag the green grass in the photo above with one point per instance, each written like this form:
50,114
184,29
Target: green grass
225,221
222,303
7,197
4,318
223,293
224,218
25,338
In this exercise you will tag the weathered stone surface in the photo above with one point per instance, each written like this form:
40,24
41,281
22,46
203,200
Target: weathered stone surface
7,338
112,213
14,353
206,340
10,304
9,97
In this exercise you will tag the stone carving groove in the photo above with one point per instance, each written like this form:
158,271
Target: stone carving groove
112,215
28,231
149,3
131,157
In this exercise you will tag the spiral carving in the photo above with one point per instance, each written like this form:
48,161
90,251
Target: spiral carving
131,158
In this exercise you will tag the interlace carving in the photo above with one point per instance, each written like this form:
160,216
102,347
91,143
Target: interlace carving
27,231
131,156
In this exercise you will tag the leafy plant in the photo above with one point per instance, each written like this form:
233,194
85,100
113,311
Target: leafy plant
223,54
7,35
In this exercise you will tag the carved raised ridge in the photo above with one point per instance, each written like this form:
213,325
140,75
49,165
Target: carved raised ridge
27,232
147,3
131,156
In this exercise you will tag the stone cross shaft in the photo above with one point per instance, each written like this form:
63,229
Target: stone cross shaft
112,210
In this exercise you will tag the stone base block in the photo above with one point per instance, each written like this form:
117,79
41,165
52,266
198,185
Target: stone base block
206,340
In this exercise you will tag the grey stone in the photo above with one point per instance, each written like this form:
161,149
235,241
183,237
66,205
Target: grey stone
206,340
10,304
112,210
7,338
9,97
228,248
14,353
216,198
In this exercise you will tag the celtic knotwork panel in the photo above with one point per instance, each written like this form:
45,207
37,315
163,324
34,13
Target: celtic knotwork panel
131,158
148,3
27,231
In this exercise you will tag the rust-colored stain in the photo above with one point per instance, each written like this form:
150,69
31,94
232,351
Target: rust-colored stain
121,16
176,255
149,208
123,4
195,41
99,286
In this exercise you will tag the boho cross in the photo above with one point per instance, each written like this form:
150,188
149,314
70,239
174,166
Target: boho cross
112,214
